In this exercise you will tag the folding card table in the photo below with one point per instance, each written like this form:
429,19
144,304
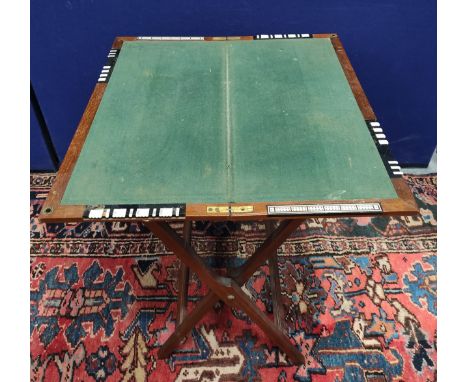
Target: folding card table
268,127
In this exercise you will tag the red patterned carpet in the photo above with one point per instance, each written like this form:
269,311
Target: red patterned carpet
360,297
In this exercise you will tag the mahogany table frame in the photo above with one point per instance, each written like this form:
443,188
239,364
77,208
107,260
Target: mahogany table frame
227,289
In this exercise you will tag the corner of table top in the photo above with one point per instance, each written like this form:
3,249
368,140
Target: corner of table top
324,35
119,40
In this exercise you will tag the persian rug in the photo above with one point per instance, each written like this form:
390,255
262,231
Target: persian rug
359,297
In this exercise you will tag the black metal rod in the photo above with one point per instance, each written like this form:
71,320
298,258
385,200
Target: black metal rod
44,129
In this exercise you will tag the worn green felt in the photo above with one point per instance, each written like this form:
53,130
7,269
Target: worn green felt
228,121
159,134
298,131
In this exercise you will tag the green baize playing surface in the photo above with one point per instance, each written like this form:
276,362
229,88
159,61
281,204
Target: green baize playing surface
227,121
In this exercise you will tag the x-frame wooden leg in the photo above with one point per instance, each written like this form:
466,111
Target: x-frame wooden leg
278,311
184,274
228,289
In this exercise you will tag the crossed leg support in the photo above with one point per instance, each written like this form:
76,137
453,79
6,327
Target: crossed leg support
184,275
228,289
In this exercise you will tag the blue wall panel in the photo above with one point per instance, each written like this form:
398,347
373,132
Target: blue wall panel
391,44
39,156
